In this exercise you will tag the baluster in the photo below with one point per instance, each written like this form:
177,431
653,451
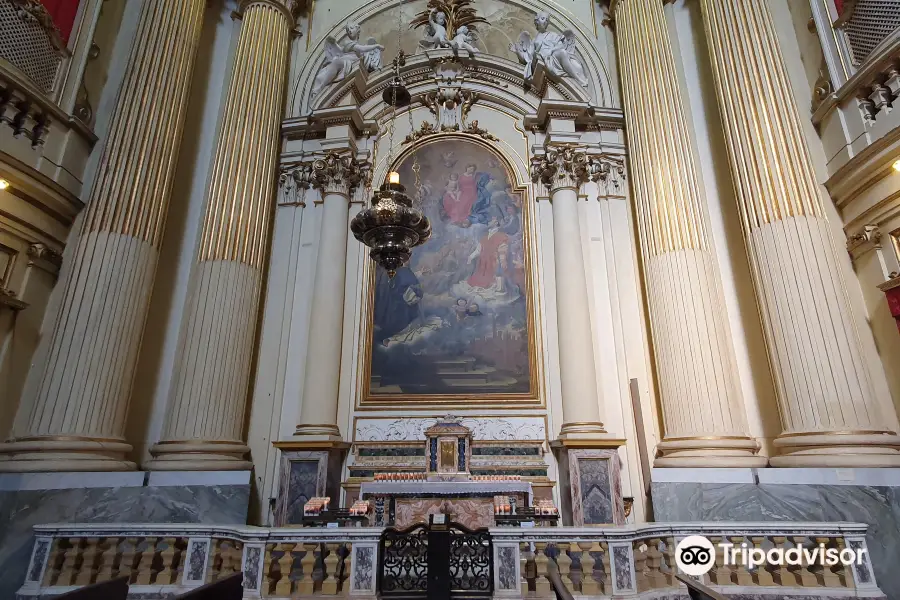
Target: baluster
720,574
54,562
166,575
829,578
564,563
145,563
640,566
742,575
285,566
761,575
654,565
866,109
589,584
126,562
881,96
110,548
306,584
607,569
67,571
803,576
87,571
330,562
347,569
669,555
524,558
542,584
842,572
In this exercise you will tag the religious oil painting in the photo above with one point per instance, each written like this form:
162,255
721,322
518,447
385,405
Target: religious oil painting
455,321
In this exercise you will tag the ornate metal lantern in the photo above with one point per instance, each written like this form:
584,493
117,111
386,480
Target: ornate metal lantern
391,226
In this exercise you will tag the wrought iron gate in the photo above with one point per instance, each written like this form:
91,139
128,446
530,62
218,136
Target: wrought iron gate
435,562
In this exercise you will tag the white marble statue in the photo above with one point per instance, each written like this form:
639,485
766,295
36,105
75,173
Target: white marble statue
436,32
463,41
556,51
342,58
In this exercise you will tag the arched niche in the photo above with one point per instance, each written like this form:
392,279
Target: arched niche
378,20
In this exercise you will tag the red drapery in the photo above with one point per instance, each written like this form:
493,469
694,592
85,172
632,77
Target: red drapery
63,13
839,4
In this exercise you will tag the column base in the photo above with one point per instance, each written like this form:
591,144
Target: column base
841,449
712,451
584,430
41,454
318,433
199,455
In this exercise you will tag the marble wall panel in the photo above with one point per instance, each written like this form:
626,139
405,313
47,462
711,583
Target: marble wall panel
471,512
21,510
877,506
303,476
596,487
363,566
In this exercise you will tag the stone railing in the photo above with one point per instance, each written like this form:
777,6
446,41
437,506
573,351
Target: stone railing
633,562
163,560
861,112
640,561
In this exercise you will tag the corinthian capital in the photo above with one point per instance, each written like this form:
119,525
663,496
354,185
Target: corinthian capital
338,173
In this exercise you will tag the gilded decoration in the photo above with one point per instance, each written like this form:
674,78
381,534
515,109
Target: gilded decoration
448,24
455,324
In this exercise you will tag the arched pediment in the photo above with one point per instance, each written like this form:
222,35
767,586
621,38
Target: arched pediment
494,64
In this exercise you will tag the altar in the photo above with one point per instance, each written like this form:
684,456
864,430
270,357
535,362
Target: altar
447,486
471,503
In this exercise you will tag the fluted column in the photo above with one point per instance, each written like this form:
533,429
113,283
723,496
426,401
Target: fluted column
703,408
336,177
829,409
562,172
76,419
204,422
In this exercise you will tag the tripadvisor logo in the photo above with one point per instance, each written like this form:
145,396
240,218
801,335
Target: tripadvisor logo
695,555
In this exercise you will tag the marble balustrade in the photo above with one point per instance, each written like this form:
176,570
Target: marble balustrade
633,561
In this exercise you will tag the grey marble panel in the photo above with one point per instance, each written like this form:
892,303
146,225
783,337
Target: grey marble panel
251,567
364,568
21,510
596,496
877,506
506,568
196,567
622,569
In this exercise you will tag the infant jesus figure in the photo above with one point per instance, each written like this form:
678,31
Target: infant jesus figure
463,41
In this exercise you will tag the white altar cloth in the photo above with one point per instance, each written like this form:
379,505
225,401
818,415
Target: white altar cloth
448,489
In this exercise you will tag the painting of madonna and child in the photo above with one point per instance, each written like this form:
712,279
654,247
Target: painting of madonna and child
454,321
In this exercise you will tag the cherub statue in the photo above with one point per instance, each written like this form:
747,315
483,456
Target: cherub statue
341,59
556,51
463,41
436,33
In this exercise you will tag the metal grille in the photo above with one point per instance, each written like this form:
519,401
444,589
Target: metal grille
27,46
872,21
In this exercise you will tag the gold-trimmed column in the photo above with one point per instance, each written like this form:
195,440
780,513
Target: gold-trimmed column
337,177
703,408
204,422
75,419
562,171
829,409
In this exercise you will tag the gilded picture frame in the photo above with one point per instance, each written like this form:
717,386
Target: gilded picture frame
525,398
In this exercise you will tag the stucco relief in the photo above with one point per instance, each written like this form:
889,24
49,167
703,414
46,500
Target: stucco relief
506,21
483,428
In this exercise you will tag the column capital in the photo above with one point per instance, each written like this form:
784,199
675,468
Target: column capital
290,8
571,166
340,173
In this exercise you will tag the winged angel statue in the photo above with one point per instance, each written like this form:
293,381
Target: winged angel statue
556,51
341,59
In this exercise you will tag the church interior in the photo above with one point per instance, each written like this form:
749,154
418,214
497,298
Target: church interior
449,298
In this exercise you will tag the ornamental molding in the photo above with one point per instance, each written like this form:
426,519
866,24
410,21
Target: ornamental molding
412,429
9,300
571,166
44,257
340,173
